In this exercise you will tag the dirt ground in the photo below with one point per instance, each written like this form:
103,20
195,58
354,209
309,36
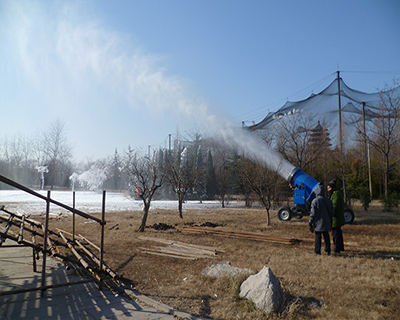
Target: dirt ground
362,283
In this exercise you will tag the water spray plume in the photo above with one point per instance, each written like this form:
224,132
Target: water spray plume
256,149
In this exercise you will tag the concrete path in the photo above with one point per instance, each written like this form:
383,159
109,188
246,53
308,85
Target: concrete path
82,301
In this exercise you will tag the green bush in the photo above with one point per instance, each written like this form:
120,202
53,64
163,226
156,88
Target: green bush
365,197
389,202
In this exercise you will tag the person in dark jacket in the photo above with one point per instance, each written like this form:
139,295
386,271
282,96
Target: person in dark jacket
338,218
320,220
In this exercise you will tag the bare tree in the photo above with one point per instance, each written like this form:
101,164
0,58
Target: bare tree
210,178
260,180
384,134
223,166
115,171
294,138
58,154
19,154
181,175
145,178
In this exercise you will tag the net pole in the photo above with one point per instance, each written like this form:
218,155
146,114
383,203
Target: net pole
340,113
341,138
366,146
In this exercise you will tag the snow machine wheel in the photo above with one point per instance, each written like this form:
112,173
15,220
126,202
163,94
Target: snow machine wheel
348,216
284,214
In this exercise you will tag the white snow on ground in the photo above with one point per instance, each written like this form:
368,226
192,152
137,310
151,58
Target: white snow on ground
89,202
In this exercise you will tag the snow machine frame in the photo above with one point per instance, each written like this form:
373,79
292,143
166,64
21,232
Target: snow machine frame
303,187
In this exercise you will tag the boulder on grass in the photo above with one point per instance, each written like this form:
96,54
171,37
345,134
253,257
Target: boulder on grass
220,269
265,290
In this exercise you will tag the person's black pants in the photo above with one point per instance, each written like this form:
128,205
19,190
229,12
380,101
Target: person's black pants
318,240
337,236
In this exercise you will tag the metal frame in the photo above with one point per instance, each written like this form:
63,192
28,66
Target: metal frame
49,201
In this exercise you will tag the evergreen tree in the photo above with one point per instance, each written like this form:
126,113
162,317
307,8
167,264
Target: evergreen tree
210,180
200,187
114,181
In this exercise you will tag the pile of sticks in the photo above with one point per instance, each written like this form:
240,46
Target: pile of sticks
244,235
24,225
180,250
76,255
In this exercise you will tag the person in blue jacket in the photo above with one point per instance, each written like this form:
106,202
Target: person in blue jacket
320,221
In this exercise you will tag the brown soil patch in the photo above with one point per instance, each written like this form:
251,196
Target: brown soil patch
362,283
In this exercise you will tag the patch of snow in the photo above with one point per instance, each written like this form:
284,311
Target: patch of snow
89,202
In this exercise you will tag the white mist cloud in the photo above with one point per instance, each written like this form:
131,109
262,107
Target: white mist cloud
77,69
66,53
81,68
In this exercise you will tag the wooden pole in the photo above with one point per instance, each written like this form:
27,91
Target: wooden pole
52,248
95,259
90,242
46,228
35,253
21,230
9,223
367,150
369,168
77,255
340,112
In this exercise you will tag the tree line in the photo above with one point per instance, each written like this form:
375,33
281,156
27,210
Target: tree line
205,168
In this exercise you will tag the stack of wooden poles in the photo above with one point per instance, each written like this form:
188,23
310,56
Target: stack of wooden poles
244,235
84,257
180,250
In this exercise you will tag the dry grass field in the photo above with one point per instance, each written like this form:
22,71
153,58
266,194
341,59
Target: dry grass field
362,283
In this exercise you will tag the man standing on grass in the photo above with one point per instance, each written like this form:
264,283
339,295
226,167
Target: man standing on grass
338,218
321,219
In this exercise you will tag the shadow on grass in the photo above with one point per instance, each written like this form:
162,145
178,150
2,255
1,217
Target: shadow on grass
203,300
376,254
124,264
376,217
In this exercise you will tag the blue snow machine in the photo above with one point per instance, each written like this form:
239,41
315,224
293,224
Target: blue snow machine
303,193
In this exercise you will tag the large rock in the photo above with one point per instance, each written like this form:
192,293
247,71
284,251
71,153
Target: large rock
220,269
264,289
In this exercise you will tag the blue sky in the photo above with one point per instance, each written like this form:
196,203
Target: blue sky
122,73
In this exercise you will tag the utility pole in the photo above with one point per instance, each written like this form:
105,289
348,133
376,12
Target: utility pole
367,149
341,147
340,113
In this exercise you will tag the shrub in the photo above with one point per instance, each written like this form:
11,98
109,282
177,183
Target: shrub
365,197
389,202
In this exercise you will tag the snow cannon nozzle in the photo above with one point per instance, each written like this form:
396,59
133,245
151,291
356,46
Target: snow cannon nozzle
291,175
299,180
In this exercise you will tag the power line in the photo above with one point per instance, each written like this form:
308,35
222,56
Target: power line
373,72
281,101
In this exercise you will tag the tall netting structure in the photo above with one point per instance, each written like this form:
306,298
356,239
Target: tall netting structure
337,102
341,109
